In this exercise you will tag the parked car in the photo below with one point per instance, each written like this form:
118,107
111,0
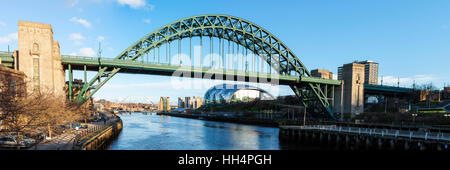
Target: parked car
26,140
41,135
7,141
11,141
76,125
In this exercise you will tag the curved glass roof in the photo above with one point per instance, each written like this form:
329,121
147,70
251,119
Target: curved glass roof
224,92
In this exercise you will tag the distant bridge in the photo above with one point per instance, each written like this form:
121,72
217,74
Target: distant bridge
253,54
376,89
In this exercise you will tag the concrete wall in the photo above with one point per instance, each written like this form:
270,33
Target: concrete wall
353,91
39,57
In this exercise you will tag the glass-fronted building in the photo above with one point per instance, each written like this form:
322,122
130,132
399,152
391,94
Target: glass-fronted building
226,93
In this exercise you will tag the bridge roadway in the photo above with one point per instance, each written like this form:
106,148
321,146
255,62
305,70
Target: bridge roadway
93,63
138,67
7,59
387,133
375,89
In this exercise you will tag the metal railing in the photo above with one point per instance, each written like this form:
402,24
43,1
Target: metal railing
92,130
209,69
382,132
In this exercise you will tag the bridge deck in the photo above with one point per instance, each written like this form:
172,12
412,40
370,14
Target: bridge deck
6,58
388,89
92,63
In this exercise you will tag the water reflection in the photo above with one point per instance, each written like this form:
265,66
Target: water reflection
152,132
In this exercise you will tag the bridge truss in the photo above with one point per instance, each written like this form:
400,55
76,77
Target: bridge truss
242,37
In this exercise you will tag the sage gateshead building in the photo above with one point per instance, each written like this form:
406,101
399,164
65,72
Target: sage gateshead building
227,93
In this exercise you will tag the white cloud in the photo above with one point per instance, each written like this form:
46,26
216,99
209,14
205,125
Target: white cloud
71,3
100,38
77,43
9,38
133,3
408,81
150,7
146,21
137,4
76,36
2,24
88,52
81,21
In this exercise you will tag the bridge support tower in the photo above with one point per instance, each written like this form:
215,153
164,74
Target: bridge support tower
39,58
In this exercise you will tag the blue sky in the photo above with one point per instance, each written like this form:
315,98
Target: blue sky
409,38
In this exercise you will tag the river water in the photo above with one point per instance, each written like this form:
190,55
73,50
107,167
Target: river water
152,132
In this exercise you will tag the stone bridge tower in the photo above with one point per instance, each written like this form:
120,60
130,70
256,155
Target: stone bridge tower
353,90
39,58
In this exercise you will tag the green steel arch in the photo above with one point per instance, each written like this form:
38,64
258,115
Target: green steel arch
243,32
235,29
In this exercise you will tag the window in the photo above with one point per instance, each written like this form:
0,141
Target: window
36,73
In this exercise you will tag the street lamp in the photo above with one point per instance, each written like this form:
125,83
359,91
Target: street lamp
446,116
414,115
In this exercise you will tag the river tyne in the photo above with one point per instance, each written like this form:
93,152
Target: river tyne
143,131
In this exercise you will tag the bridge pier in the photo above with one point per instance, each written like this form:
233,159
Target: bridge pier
314,138
392,144
421,146
357,143
328,142
368,143
348,140
406,145
338,142
321,139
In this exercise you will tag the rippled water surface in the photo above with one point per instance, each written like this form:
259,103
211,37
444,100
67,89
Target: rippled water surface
152,132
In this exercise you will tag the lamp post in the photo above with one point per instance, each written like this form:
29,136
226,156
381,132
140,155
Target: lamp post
304,117
446,116
414,115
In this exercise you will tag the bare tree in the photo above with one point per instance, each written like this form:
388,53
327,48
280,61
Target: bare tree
24,112
85,110
21,111
58,112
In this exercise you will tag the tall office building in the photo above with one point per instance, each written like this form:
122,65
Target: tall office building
370,72
190,102
197,102
187,102
325,74
340,70
181,102
164,104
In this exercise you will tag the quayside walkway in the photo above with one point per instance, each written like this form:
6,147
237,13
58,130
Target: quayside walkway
66,141
356,138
